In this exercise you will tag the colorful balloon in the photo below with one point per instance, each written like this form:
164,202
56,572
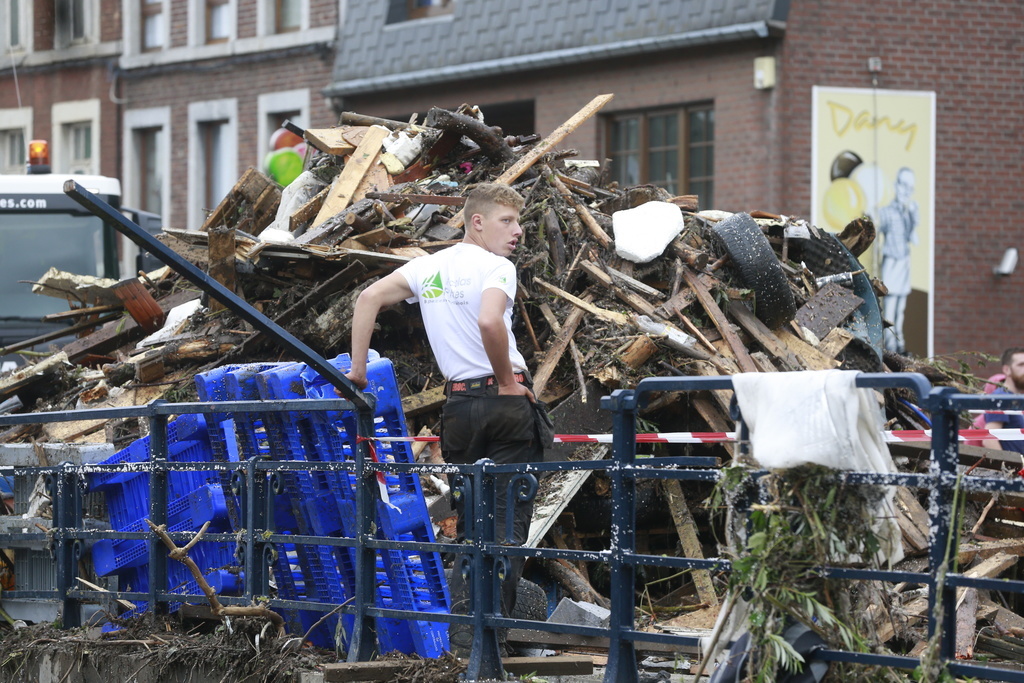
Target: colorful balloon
282,138
283,165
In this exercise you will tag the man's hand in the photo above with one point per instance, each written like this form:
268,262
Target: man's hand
359,380
516,389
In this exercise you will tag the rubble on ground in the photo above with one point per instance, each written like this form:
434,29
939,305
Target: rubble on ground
616,284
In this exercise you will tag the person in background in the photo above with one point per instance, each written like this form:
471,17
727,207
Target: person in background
1013,368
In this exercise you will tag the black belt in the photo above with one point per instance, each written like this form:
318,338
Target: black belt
480,385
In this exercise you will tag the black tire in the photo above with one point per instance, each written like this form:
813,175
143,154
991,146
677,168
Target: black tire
531,602
758,268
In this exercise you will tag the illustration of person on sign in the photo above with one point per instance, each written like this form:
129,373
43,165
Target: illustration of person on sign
897,222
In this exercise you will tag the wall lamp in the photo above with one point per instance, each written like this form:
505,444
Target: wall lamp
1007,264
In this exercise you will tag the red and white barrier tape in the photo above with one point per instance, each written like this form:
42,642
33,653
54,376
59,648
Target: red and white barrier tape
899,436
996,412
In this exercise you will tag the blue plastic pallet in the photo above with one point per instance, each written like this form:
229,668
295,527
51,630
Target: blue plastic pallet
253,437
187,513
415,580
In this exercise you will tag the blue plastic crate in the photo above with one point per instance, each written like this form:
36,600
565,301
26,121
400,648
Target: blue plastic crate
183,428
414,581
187,513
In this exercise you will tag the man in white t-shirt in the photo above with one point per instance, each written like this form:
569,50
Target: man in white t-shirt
465,294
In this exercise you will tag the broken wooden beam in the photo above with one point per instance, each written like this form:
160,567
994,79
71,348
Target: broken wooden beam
347,182
738,348
526,161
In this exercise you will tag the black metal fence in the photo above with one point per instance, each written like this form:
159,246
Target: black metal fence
256,481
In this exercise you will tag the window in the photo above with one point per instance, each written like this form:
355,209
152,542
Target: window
673,149
218,25
78,138
12,14
404,10
148,146
212,156
152,24
211,151
145,178
77,20
12,149
287,15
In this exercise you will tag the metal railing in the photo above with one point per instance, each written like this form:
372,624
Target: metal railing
486,548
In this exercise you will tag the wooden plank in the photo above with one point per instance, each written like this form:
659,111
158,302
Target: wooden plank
564,640
812,358
309,210
544,146
431,399
985,549
966,621
835,341
555,350
330,140
602,313
764,336
687,530
743,358
398,669
913,521
561,487
440,200
631,299
347,182
368,240
222,260
377,179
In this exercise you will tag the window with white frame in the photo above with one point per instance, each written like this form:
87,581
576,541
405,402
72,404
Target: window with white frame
12,150
77,138
152,25
146,178
75,21
218,21
15,133
15,16
406,10
213,156
76,126
287,15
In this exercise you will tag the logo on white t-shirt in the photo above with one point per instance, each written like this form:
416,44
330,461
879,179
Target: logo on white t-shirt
432,286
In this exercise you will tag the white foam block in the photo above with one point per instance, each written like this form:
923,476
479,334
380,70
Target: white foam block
641,234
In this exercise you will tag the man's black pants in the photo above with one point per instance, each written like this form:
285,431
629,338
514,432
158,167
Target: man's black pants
479,425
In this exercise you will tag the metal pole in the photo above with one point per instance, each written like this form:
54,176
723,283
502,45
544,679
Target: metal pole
945,455
157,511
485,655
622,667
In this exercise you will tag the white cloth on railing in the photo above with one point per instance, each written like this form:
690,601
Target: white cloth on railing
822,418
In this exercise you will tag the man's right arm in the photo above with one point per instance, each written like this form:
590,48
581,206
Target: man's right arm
382,293
993,443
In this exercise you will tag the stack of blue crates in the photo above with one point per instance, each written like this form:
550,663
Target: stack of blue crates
194,498
315,502
322,502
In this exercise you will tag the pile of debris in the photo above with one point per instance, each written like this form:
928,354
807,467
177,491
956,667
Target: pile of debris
616,284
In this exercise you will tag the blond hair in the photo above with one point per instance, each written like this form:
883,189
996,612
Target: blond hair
486,196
